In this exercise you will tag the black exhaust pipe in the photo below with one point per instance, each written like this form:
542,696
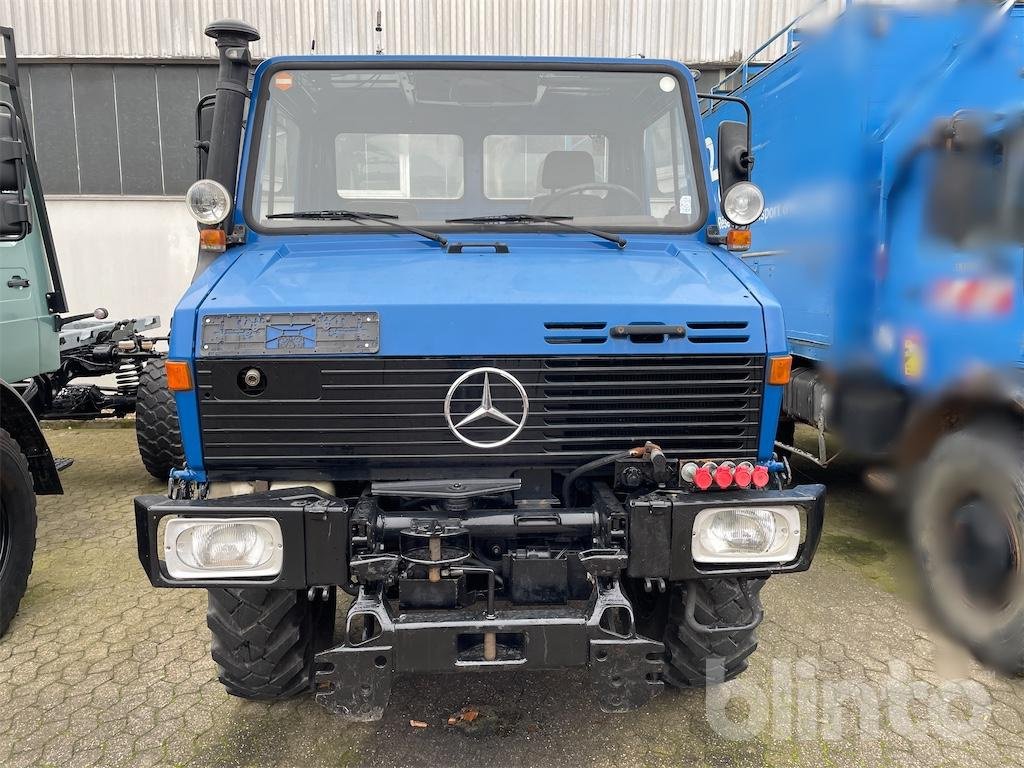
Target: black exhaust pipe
233,38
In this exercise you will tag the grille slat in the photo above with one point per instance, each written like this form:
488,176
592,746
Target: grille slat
388,412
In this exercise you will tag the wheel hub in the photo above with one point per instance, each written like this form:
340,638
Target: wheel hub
985,553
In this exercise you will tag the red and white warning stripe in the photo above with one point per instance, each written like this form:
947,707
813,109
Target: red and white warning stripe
979,296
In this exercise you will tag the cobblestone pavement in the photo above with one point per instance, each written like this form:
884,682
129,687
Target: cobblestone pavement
101,669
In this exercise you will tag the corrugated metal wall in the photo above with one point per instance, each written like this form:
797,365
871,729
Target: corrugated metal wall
695,31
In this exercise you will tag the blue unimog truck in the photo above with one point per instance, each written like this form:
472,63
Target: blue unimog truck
461,345
890,145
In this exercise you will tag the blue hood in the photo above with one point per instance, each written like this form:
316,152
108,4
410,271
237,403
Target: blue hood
432,302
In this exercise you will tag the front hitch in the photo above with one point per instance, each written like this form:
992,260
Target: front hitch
354,679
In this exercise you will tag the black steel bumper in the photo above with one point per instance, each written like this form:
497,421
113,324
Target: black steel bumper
354,679
315,528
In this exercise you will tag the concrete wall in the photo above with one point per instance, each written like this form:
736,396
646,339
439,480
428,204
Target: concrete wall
134,256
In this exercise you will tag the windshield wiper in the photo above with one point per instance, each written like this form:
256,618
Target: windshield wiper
341,214
536,218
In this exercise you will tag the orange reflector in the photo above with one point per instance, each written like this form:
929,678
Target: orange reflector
779,368
738,239
179,378
213,239
283,81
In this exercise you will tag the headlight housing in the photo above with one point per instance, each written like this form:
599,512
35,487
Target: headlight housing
763,534
211,548
208,201
743,203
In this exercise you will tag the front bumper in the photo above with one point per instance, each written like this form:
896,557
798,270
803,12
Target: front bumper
354,679
315,532
382,639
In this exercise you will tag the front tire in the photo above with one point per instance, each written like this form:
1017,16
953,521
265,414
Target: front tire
264,640
17,527
693,658
156,422
967,529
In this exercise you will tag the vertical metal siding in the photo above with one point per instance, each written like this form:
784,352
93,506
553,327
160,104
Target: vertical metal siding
695,31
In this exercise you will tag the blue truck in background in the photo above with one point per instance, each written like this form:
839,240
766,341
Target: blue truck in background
460,344
890,148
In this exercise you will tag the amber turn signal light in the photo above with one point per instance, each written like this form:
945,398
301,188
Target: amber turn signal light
179,378
779,369
213,239
738,239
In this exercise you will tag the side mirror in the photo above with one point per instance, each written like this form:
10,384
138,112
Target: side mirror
204,129
14,219
734,158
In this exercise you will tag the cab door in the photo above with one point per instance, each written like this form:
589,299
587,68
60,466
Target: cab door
30,286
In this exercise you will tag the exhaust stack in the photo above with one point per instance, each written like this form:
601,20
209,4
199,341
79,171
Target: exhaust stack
233,38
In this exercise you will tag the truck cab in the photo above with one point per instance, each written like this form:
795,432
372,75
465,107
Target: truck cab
460,345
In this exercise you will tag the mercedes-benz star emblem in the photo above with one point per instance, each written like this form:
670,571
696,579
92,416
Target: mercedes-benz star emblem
487,409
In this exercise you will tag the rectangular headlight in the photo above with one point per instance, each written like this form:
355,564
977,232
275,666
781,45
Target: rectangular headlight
756,534
214,548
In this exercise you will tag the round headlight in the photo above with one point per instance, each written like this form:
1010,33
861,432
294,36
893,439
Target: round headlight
208,201
743,204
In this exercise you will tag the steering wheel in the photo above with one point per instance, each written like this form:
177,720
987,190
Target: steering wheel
579,189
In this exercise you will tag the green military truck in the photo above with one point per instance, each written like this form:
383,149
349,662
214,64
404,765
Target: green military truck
42,351
31,295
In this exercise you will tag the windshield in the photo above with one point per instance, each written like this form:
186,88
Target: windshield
612,148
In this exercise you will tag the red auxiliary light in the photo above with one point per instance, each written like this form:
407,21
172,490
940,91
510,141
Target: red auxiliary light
723,475
703,477
743,474
760,476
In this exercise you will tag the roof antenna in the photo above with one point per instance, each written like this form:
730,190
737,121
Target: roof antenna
379,29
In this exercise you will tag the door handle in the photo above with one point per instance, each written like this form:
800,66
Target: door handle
17,281
644,329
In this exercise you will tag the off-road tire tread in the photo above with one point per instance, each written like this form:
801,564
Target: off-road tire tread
998,439
14,580
688,651
156,422
262,641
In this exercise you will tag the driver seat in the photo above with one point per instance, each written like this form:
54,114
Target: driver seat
560,170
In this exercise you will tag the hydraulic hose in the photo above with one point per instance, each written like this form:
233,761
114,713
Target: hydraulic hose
568,487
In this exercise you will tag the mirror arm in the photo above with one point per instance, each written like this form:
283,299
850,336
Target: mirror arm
202,145
747,159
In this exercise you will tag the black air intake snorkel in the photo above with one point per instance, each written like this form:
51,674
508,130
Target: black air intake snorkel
233,38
